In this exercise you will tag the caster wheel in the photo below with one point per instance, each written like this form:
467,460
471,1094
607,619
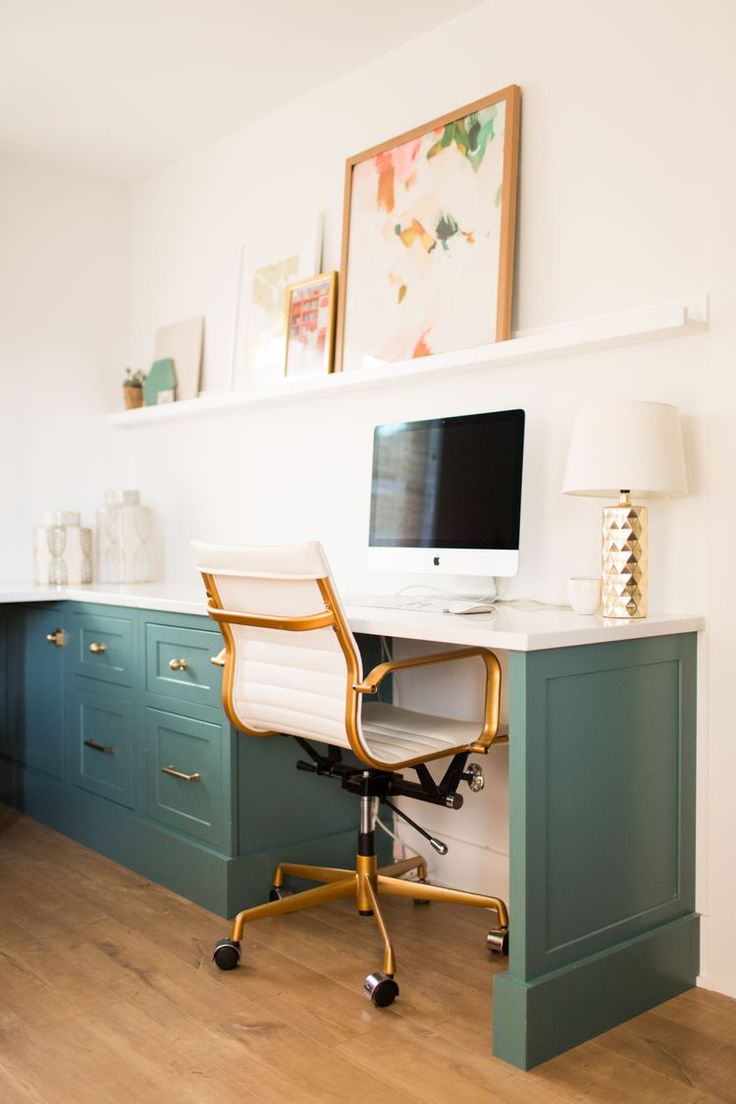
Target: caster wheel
226,954
497,941
279,892
381,989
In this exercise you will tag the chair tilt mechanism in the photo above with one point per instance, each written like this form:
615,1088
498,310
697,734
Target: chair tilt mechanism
293,667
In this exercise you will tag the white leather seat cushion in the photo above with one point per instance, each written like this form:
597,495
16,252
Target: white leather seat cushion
394,734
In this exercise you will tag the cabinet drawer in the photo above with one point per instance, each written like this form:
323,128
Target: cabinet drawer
103,648
191,799
178,664
101,739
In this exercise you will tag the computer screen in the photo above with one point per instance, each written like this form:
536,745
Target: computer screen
446,494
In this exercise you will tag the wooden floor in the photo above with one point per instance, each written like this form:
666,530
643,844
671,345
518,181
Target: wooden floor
108,994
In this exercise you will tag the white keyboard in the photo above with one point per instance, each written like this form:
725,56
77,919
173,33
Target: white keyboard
423,603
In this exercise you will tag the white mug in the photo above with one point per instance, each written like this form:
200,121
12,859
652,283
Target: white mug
584,594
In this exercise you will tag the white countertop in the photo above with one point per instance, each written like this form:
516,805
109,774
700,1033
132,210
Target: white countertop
186,597
508,629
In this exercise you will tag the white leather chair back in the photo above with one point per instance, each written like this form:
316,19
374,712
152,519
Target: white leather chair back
284,680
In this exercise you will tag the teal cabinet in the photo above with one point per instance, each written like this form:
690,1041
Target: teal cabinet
118,738
100,731
184,773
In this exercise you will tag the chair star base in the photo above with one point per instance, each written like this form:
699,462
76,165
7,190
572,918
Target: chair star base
366,884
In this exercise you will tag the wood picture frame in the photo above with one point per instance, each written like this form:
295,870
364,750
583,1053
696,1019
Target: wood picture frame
404,179
310,326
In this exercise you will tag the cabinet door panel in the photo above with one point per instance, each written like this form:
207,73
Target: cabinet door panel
6,738
100,737
41,732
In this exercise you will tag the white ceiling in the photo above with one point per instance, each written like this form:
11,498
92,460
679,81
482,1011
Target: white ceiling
124,87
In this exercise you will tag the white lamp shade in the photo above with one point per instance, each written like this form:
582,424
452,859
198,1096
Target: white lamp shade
633,446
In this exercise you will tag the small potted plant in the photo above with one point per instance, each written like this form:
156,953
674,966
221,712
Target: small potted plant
133,388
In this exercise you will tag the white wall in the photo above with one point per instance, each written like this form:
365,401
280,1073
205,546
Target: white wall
63,324
626,181
611,215
718,774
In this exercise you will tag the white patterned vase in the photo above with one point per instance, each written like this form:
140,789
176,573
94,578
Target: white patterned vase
62,550
124,539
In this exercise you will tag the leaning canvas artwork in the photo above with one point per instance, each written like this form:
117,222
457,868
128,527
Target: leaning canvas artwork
428,237
273,258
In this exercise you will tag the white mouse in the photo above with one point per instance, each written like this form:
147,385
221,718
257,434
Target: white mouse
469,606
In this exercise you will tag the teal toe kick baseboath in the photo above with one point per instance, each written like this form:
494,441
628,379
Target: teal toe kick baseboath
536,1020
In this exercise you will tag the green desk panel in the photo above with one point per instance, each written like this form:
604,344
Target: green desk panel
602,870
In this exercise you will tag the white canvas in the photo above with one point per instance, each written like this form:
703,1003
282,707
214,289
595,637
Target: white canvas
280,256
182,341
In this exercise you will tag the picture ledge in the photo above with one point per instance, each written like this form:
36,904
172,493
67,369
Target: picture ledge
626,327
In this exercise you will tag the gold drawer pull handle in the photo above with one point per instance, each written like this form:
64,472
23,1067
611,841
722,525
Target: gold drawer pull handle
219,659
57,638
107,750
97,648
178,664
180,774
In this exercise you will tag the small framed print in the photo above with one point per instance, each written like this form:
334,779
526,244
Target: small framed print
310,326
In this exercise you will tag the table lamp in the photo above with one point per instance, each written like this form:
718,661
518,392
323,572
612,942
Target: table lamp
625,448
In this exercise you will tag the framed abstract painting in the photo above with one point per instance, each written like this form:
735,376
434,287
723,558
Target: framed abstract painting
310,325
428,237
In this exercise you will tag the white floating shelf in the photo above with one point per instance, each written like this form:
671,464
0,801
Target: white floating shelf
606,331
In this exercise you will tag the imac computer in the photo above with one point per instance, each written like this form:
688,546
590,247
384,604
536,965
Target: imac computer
446,495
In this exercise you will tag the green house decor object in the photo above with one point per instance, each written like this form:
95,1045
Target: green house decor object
160,384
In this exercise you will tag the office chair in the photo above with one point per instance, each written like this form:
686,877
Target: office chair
292,666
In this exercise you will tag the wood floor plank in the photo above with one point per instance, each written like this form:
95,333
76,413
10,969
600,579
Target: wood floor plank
705,1011
108,996
686,1054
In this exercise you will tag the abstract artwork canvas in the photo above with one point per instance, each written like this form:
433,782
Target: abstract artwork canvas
428,237
270,261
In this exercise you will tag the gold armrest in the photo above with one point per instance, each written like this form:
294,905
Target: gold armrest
372,680
370,683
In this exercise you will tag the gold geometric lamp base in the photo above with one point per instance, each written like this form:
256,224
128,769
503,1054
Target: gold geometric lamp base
624,564
632,444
